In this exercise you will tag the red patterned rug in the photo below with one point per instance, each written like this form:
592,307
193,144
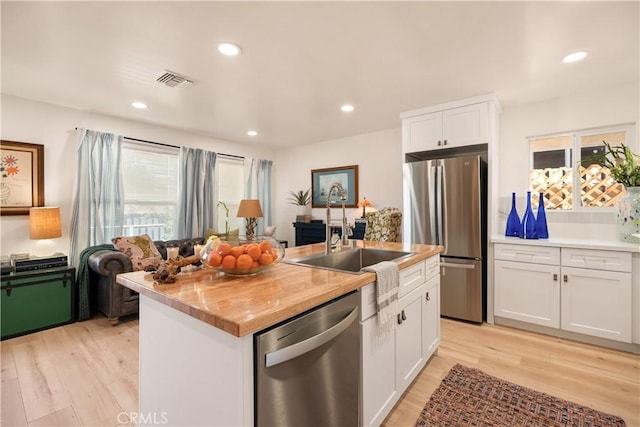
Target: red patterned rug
469,397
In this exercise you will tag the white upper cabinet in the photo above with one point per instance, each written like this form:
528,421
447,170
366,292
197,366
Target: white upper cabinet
449,128
465,125
422,133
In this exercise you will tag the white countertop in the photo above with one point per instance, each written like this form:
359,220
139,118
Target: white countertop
570,242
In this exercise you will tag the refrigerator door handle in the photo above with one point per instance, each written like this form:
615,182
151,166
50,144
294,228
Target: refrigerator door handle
433,202
442,207
439,213
452,265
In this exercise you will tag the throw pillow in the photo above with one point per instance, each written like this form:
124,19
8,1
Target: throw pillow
141,249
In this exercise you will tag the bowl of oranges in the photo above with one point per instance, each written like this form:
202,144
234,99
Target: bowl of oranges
241,257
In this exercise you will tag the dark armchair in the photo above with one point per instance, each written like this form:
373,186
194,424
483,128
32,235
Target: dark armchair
113,299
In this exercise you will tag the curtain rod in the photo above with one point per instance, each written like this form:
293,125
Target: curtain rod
175,146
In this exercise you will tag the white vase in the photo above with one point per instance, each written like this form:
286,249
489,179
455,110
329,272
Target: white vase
628,216
303,210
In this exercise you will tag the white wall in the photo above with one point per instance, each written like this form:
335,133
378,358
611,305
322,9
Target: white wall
601,107
54,127
379,159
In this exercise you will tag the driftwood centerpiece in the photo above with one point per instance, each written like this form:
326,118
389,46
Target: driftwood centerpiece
169,269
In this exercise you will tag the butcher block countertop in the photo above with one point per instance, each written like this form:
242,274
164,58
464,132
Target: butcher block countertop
244,305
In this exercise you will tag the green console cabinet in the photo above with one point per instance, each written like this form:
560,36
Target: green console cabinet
36,300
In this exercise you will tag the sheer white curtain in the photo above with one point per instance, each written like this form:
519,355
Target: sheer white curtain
258,186
98,207
197,204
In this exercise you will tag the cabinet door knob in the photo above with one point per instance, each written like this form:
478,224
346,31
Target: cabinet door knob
439,143
555,277
565,278
404,317
428,297
399,319
445,142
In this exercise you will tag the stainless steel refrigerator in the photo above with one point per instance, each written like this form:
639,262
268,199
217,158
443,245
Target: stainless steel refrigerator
445,204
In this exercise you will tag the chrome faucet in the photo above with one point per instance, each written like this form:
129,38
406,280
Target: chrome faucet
346,229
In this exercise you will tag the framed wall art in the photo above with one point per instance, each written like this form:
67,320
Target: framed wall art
321,180
21,177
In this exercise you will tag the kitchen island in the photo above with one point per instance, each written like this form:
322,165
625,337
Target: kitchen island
196,335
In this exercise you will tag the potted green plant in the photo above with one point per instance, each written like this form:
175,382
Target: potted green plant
624,166
621,161
301,199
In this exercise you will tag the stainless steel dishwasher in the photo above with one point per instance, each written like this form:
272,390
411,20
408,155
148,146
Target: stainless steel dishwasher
307,369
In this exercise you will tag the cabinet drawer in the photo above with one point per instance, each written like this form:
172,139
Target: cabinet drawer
528,253
410,278
599,260
367,301
432,267
414,276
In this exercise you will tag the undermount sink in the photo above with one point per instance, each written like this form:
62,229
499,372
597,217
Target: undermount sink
349,261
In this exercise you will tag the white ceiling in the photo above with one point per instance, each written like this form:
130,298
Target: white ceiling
302,60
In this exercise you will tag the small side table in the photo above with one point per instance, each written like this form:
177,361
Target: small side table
35,300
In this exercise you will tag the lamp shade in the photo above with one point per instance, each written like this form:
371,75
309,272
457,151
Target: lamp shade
44,223
249,208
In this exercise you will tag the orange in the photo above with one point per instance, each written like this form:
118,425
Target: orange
244,262
254,251
236,251
265,246
255,264
223,248
229,262
265,259
214,259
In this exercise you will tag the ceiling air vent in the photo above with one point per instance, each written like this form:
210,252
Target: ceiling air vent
172,79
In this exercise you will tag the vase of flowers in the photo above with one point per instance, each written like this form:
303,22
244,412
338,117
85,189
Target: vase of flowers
624,166
300,199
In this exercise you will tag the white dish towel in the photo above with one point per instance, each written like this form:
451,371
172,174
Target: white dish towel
387,283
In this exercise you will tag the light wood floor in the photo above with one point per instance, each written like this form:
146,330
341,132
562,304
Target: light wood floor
85,374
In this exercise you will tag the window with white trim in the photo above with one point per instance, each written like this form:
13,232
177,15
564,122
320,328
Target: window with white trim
230,189
150,180
558,171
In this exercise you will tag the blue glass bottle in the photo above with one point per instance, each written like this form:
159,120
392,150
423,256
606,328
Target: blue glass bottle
513,220
541,220
529,221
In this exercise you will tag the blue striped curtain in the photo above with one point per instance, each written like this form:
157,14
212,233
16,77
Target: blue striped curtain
98,208
196,208
258,186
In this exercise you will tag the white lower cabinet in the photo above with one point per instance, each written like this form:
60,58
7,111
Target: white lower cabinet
597,303
378,372
528,292
541,285
431,317
409,356
393,355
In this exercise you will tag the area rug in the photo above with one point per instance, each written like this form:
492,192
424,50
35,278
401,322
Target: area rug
469,397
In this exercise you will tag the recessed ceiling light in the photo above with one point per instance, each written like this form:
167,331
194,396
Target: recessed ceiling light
575,56
252,133
229,49
139,105
346,108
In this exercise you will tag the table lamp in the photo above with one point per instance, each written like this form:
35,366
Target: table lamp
44,223
366,206
250,210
